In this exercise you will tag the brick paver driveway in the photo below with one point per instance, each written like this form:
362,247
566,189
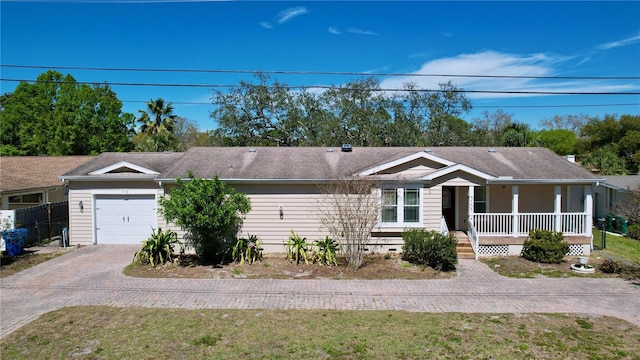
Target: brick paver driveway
93,276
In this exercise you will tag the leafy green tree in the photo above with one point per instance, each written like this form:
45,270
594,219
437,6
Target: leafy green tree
57,116
560,141
573,123
187,135
488,129
263,114
210,211
619,135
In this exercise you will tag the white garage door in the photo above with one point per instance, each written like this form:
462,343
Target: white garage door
125,219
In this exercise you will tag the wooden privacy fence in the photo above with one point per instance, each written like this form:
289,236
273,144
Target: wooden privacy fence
43,222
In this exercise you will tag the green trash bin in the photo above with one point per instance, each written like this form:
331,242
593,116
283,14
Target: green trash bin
609,222
621,225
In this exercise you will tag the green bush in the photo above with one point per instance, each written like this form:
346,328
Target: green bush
545,246
633,231
430,248
247,250
326,254
210,211
158,248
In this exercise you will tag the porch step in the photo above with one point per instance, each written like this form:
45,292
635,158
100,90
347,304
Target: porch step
463,248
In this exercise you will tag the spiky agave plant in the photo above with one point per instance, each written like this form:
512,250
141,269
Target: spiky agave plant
327,249
297,248
158,248
248,250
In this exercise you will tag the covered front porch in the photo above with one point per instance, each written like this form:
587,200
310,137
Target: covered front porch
494,228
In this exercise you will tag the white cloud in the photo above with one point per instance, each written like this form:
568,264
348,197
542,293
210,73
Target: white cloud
290,13
620,43
334,30
361,32
491,64
266,25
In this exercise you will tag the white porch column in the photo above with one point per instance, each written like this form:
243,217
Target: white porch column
588,209
514,210
470,196
557,209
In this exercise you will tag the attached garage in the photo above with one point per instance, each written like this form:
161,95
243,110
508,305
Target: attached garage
125,219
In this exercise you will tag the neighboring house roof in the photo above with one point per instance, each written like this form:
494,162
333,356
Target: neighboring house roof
622,182
20,173
318,163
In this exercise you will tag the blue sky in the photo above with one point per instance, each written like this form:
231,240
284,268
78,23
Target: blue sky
547,39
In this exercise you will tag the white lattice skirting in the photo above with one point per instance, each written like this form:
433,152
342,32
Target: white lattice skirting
503,250
493,250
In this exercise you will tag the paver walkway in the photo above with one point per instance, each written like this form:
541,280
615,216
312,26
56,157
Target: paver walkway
93,276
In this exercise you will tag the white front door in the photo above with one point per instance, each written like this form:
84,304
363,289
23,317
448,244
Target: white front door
125,219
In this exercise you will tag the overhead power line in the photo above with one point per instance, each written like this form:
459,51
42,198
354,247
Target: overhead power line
475,106
336,73
305,87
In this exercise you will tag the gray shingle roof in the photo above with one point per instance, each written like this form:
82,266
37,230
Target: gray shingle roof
624,182
311,163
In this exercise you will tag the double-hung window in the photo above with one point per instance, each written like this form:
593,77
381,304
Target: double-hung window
401,206
480,199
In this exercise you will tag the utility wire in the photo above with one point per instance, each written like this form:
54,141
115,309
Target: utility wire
475,106
305,87
337,73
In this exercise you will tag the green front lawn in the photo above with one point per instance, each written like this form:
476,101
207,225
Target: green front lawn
618,246
136,333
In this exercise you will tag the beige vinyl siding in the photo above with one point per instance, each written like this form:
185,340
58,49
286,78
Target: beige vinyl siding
417,166
500,198
432,207
536,198
300,213
80,222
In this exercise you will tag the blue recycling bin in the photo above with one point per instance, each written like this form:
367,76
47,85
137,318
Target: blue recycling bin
14,241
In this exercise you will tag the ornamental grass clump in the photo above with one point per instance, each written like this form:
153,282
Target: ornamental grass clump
544,246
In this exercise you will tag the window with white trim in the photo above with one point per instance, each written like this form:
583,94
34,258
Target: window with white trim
401,206
480,199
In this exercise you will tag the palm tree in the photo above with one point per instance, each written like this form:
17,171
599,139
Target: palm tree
157,118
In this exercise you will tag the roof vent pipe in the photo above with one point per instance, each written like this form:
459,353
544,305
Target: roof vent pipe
346,148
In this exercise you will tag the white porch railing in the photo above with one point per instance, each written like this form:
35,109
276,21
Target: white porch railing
507,224
444,228
473,237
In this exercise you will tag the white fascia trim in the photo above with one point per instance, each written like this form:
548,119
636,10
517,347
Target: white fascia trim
402,160
99,192
544,181
139,177
256,181
457,167
124,164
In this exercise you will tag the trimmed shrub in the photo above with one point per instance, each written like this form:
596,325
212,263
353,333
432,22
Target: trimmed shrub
610,266
545,246
430,248
633,231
